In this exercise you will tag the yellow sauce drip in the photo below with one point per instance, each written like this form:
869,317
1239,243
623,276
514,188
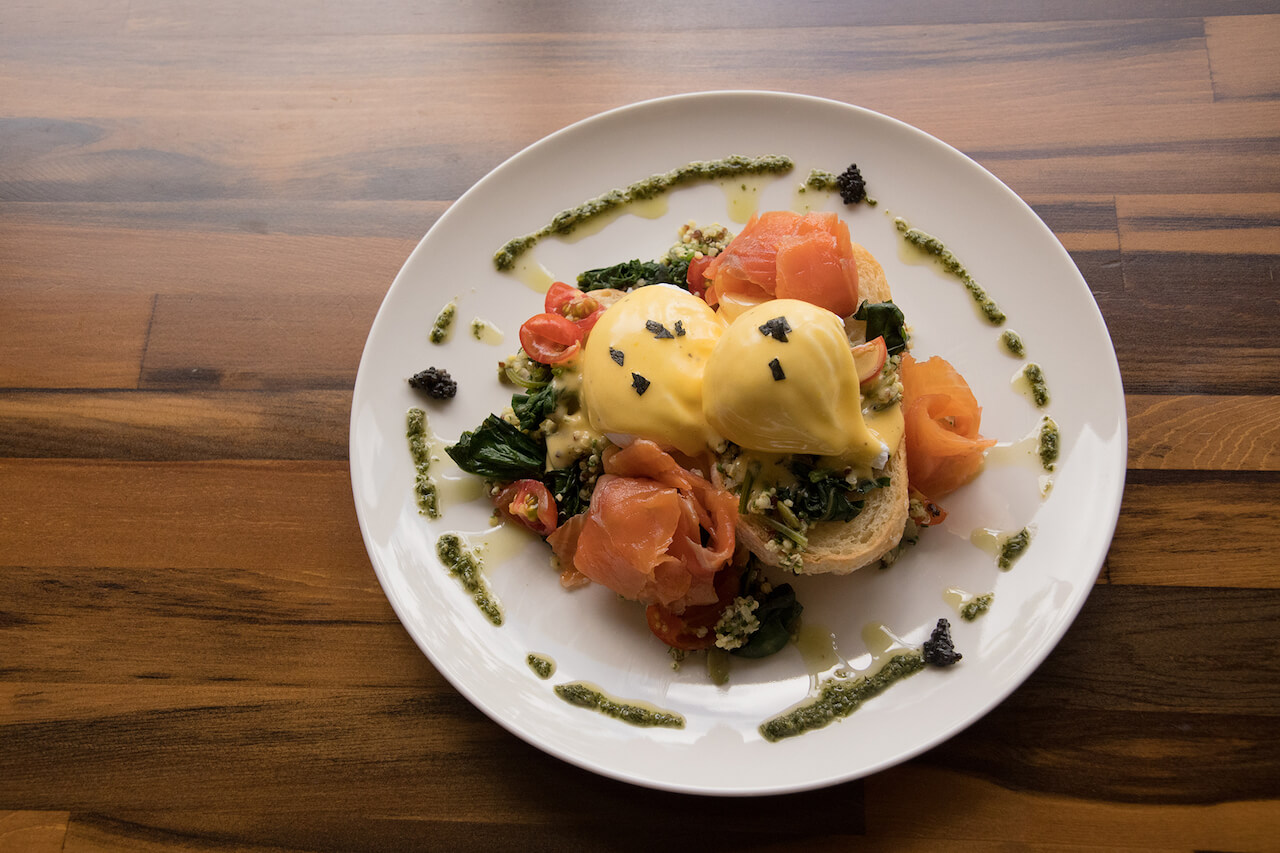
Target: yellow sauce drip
817,646
485,332
1023,453
806,199
742,195
534,275
501,542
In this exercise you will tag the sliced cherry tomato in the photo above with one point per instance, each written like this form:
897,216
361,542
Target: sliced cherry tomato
529,502
931,513
697,275
695,628
869,359
559,295
550,338
582,309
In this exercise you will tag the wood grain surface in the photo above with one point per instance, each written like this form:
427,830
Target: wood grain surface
201,208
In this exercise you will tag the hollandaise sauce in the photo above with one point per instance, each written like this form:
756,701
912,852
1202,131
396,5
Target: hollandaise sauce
782,379
642,371
566,221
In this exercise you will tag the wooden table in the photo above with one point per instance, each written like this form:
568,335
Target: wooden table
201,207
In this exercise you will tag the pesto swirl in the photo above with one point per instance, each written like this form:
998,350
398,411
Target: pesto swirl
566,221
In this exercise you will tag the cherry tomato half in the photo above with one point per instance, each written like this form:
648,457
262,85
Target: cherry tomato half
695,628
583,309
697,275
529,502
929,512
550,338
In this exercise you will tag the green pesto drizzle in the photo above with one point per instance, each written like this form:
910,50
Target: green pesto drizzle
466,567
1039,388
423,486
566,221
933,246
443,324
840,697
824,181
1012,342
585,695
976,606
1049,443
1013,548
542,666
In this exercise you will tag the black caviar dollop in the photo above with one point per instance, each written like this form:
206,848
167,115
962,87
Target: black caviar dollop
853,188
938,649
436,381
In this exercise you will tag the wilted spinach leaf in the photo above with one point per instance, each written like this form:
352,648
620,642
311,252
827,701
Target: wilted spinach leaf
779,617
499,451
532,409
884,319
629,274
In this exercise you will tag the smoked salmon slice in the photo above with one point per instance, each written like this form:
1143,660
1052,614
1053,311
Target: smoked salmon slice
942,419
782,254
654,532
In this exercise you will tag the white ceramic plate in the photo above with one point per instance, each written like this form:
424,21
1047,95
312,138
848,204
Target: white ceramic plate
589,633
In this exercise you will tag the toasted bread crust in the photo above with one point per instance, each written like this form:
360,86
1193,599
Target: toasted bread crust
837,547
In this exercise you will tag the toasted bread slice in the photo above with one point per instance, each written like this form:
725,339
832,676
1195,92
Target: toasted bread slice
839,547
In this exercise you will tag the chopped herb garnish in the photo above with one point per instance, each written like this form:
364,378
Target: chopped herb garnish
658,330
617,356
639,383
775,367
776,328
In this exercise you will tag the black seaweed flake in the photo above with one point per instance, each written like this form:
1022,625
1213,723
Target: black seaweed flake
658,330
639,383
617,356
776,367
776,328
679,328
938,649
